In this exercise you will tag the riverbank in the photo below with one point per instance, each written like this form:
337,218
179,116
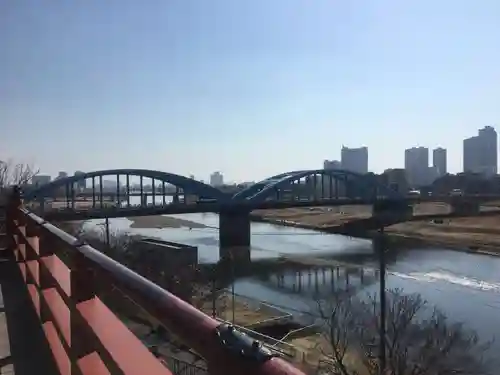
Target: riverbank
160,222
473,234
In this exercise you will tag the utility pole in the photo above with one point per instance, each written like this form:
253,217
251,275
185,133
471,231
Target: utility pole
214,312
383,307
232,281
107,232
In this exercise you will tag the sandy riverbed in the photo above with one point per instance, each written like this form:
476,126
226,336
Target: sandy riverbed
159,222
473,233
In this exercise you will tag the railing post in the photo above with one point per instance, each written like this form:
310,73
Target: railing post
82,281
42,246
13,205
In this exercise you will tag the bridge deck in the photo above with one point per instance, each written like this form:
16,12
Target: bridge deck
23,349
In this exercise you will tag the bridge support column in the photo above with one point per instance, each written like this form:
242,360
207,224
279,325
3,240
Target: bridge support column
41,205
461,206
392,212
234,229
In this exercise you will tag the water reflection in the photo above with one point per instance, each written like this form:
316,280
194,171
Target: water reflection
465,286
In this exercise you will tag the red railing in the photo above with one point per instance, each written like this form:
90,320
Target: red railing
64,278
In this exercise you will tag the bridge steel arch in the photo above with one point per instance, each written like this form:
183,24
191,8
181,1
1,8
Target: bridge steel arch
255,188
256,196
187,184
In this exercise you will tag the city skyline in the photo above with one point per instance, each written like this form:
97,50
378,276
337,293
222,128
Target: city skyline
421,166
232,87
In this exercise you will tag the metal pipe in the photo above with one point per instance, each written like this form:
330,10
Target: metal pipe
107,233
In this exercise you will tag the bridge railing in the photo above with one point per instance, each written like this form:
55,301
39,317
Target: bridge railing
65,279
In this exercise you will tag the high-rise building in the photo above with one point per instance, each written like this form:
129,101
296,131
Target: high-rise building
332,164
439,161
481,152
355,159
417,166
216,179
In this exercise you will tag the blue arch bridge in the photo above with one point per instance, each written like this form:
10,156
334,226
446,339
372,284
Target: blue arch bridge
108,193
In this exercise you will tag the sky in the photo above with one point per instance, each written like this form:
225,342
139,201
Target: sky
250,88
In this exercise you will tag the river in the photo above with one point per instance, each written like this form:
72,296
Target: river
465,286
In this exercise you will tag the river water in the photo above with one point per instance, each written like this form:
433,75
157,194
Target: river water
465,286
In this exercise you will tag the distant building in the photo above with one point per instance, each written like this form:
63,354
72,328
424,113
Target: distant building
417,166
216,179
80,184
481,152
40,180
439,161
332,164
246,184
355,159
326,184
61,175
396,179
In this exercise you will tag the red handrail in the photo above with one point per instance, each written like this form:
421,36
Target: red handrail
226,351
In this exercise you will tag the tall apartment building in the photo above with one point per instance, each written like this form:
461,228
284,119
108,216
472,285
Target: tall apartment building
439,161
216,179
481,152
355,159
417,166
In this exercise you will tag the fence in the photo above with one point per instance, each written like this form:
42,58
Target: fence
64,278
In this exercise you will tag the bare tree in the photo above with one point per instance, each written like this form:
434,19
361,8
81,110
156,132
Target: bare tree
419,340
338,323
14,173
186,281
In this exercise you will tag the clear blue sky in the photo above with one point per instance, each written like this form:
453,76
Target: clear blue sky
250,88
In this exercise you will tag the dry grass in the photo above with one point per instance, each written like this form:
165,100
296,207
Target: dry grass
245,313
474,232
315,348
332,216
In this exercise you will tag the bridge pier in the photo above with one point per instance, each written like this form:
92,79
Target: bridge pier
234,229
239,255
388,212
464,207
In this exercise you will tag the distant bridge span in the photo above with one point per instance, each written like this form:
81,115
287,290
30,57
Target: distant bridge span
366,187
318,187
187,184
